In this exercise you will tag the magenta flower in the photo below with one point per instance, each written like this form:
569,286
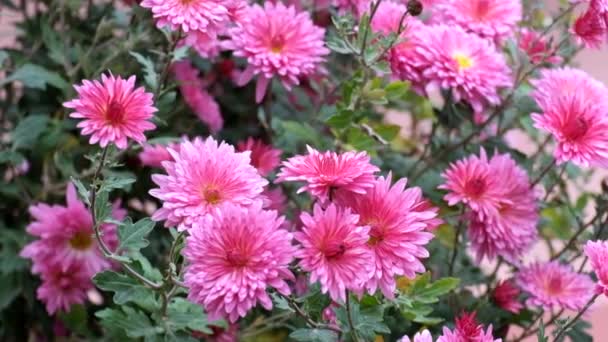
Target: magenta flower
402,57
275,199
491,19
506,296
388,16
204,175
265,158
591,28
63,287
201,15
574,109
552,285
538,49
196,96
399,230
278,42
467,329
334,250
328,171
66,237
113,110
462,62
597,252
234,255
155,155
206,44
423,336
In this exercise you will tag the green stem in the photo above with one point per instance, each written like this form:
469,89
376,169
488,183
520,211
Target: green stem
350,319
565,328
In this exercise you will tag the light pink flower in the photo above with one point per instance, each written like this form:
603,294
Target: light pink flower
388,16
467,65
196,96
574,109
324,172
63,287
278,42
200,15
265,158
538,49
491,19
234,255
66,237
334,250
402,56
399,230
155,155
506,296
206,44
204,174
422,336
597,252
552,285
467,329
113,110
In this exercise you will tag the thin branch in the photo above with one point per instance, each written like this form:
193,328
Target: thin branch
580,313
292,304
544,172
350,319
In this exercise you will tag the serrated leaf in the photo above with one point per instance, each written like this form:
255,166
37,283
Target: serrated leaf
183,314
115,182
314,335
103,209
439,288
125,288
76,319
28,130
341,119
133,322
83,192
132,236
180,53
36,76
151,77
9,288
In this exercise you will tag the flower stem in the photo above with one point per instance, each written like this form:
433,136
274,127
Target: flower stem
456,240
572,321
292,304
542,174
350,319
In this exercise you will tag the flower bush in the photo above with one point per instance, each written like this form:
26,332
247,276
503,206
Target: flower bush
362,170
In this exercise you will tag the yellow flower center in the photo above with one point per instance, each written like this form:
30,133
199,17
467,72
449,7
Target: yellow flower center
211,195
81,241
464,62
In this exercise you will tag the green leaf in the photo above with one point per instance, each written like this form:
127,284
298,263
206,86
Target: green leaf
9,288
396,90
132,236
314,335
439,288
180,53
183,314
3,57
35,76
125,288
151,77
341,119
103,209
388,132
338,45
115,182
83,192
359,140
76,320
28,130
133,322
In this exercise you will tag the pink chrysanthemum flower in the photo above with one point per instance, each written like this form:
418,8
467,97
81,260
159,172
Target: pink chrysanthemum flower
200,15
512,230
67,237
552,285
233,256
155,155
399,230
388,16
113,110
597,252
265,158
204,175
591,28
206,44
276,199
574,109
324,172
472,182
468,65
491,19
197,97
467,329
538,49
278,42
334,250
423,336
506,296
63,287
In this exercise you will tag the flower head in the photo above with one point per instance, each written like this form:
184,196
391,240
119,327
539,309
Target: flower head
597,252
423,336
66,237
265,158
61,288
463,62
278,42
113,110
204,174
467,329
574,109
334,250
505,295
328,171
552,285
398,233
491,19
206,44
538,49
196,96
187,15
234,255
155,155
591,28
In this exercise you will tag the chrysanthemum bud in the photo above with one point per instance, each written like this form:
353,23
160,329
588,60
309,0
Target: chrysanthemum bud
414,7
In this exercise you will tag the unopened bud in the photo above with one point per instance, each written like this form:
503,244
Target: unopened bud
414,7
